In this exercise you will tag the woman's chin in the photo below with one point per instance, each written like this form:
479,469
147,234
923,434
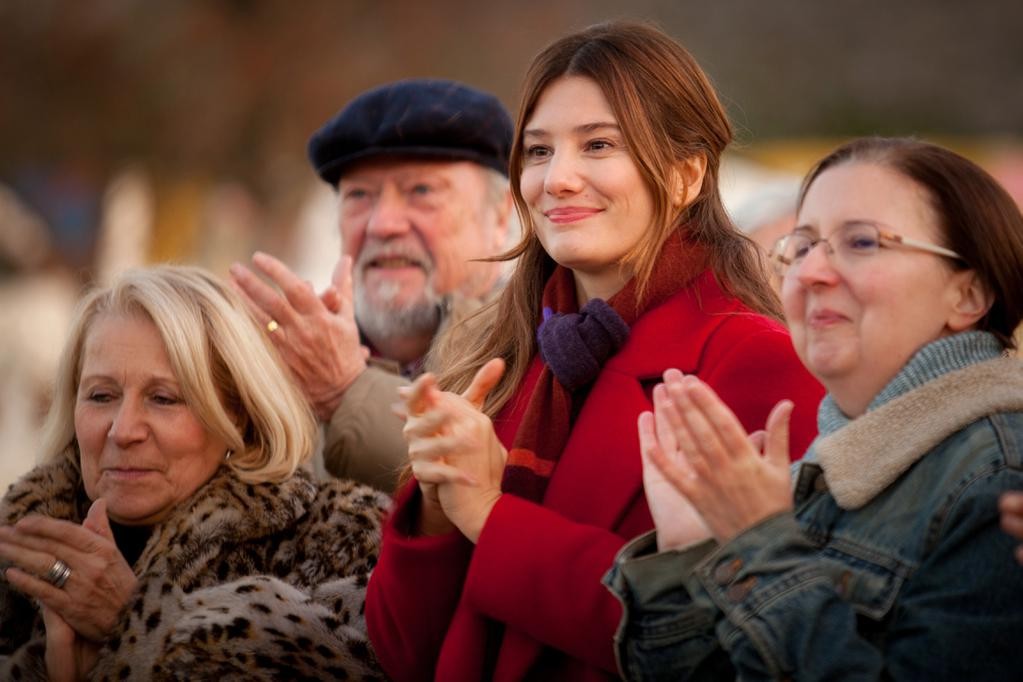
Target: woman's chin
133,511
830,363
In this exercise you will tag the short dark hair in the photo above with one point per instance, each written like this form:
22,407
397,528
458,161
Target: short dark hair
977,217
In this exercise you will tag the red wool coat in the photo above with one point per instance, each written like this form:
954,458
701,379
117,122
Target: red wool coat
527,601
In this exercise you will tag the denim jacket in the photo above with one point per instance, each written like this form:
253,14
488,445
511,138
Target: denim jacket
892,564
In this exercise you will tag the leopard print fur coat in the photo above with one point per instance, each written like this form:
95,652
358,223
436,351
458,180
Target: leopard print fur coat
254,582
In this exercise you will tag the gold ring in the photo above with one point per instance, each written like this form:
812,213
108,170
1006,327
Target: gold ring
272,326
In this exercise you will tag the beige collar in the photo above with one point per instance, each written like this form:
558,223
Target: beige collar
866,456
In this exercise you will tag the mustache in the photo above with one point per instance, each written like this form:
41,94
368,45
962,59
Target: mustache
408,249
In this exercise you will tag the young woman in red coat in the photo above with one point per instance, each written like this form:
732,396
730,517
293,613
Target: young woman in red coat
524,447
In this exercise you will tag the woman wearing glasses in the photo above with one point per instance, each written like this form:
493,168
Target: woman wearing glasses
901,285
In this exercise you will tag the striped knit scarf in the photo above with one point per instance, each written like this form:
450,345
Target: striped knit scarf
574,345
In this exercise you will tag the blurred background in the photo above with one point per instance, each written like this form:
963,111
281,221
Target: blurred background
134,132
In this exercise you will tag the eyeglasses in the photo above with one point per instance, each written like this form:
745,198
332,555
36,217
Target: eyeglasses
849,245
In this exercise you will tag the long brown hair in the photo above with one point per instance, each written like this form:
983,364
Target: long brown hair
668,113
976,216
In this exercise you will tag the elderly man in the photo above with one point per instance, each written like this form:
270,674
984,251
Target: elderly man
420,169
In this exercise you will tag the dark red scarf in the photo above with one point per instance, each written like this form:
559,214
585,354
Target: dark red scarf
547,421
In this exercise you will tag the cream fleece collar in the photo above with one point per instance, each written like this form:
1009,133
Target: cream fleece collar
867,455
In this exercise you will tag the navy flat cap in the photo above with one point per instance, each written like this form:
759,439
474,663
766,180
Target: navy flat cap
431,119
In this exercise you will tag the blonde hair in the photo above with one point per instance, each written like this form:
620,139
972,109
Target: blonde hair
230,374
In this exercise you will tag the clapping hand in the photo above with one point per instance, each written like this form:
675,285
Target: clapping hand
454,451
68,657
731,480
316,335
100,582
86,606
677,521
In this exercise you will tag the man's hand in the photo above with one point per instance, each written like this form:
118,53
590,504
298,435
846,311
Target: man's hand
316,335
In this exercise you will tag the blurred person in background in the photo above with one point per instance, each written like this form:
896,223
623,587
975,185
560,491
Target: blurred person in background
766,214
767,211
37,298
901,288
171,531
529,482
420,169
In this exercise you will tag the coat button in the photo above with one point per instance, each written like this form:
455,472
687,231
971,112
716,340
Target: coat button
842,585
726,571
740,590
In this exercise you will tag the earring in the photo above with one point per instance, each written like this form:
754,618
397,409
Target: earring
227,455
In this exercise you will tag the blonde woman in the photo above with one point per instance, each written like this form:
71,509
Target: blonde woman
171,529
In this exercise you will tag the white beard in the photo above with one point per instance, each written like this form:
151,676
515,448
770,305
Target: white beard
380,316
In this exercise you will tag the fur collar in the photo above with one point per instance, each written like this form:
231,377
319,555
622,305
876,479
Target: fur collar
867,455
224,509
51,490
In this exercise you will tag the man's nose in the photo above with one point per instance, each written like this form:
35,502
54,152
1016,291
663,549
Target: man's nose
390,214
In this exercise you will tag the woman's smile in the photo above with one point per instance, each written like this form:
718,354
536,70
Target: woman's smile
570,214
127,474
824,318
579,172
